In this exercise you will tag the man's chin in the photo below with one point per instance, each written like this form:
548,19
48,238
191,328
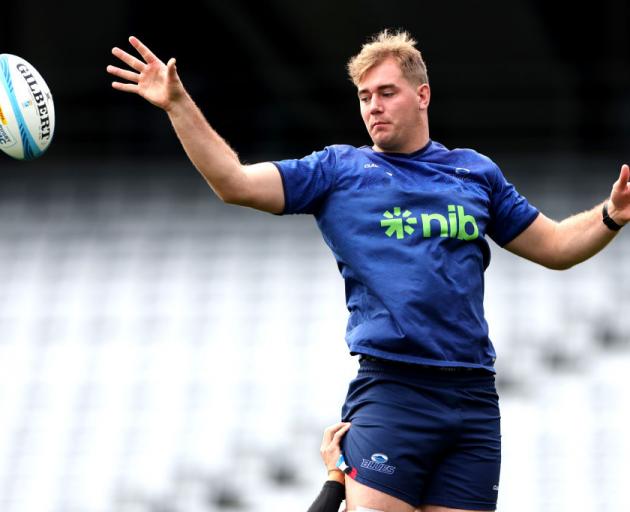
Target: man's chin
385,145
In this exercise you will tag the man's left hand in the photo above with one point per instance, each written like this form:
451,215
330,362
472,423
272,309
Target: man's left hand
619,203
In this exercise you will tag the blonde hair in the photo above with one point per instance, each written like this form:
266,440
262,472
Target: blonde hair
399,45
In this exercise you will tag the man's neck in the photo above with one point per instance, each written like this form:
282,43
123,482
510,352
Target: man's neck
406,149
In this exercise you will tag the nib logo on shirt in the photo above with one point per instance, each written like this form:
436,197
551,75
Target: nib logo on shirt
456,223
397,223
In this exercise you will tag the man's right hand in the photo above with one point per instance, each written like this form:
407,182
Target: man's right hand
153,80
257,186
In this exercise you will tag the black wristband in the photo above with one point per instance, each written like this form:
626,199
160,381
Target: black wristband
610,224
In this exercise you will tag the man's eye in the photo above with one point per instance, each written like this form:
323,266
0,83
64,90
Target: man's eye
388,94
364,99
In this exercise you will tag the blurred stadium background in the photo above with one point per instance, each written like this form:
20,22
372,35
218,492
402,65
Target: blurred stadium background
163,352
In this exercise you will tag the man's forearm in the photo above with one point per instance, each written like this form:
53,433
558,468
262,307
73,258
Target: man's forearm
329,498
581,236
207,150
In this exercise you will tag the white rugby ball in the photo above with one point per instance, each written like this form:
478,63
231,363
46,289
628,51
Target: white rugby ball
27,113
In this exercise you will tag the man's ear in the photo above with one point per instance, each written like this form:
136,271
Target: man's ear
424,96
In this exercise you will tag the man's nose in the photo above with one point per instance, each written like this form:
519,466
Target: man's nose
375,104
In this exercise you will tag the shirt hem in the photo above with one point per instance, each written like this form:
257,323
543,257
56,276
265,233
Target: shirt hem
438,363
521,229
285,209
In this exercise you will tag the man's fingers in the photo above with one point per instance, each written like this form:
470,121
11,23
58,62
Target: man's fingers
329,432
128,59
621,185
336,427
341,432
334,433
125,87
171,68
147,54
123,73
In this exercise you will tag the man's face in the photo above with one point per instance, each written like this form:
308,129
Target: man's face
392,108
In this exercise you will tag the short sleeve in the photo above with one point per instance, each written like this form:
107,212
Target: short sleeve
307,181
510,212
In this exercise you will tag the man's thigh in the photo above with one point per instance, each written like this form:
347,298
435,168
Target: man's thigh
467,477
359,496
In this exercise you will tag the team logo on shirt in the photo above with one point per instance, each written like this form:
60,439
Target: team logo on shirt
381,458
378,462
455,224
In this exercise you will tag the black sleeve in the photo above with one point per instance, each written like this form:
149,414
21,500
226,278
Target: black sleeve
330,497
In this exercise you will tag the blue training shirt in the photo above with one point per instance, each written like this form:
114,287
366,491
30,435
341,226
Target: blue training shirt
408,233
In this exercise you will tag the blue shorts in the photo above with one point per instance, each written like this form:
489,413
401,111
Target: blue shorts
425,436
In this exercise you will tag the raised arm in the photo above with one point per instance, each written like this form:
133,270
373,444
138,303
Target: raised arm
258,186
560,245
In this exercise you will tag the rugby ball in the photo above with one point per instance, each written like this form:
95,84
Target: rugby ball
27,113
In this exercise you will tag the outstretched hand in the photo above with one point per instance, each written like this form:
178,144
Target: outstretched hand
153,80
619,206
